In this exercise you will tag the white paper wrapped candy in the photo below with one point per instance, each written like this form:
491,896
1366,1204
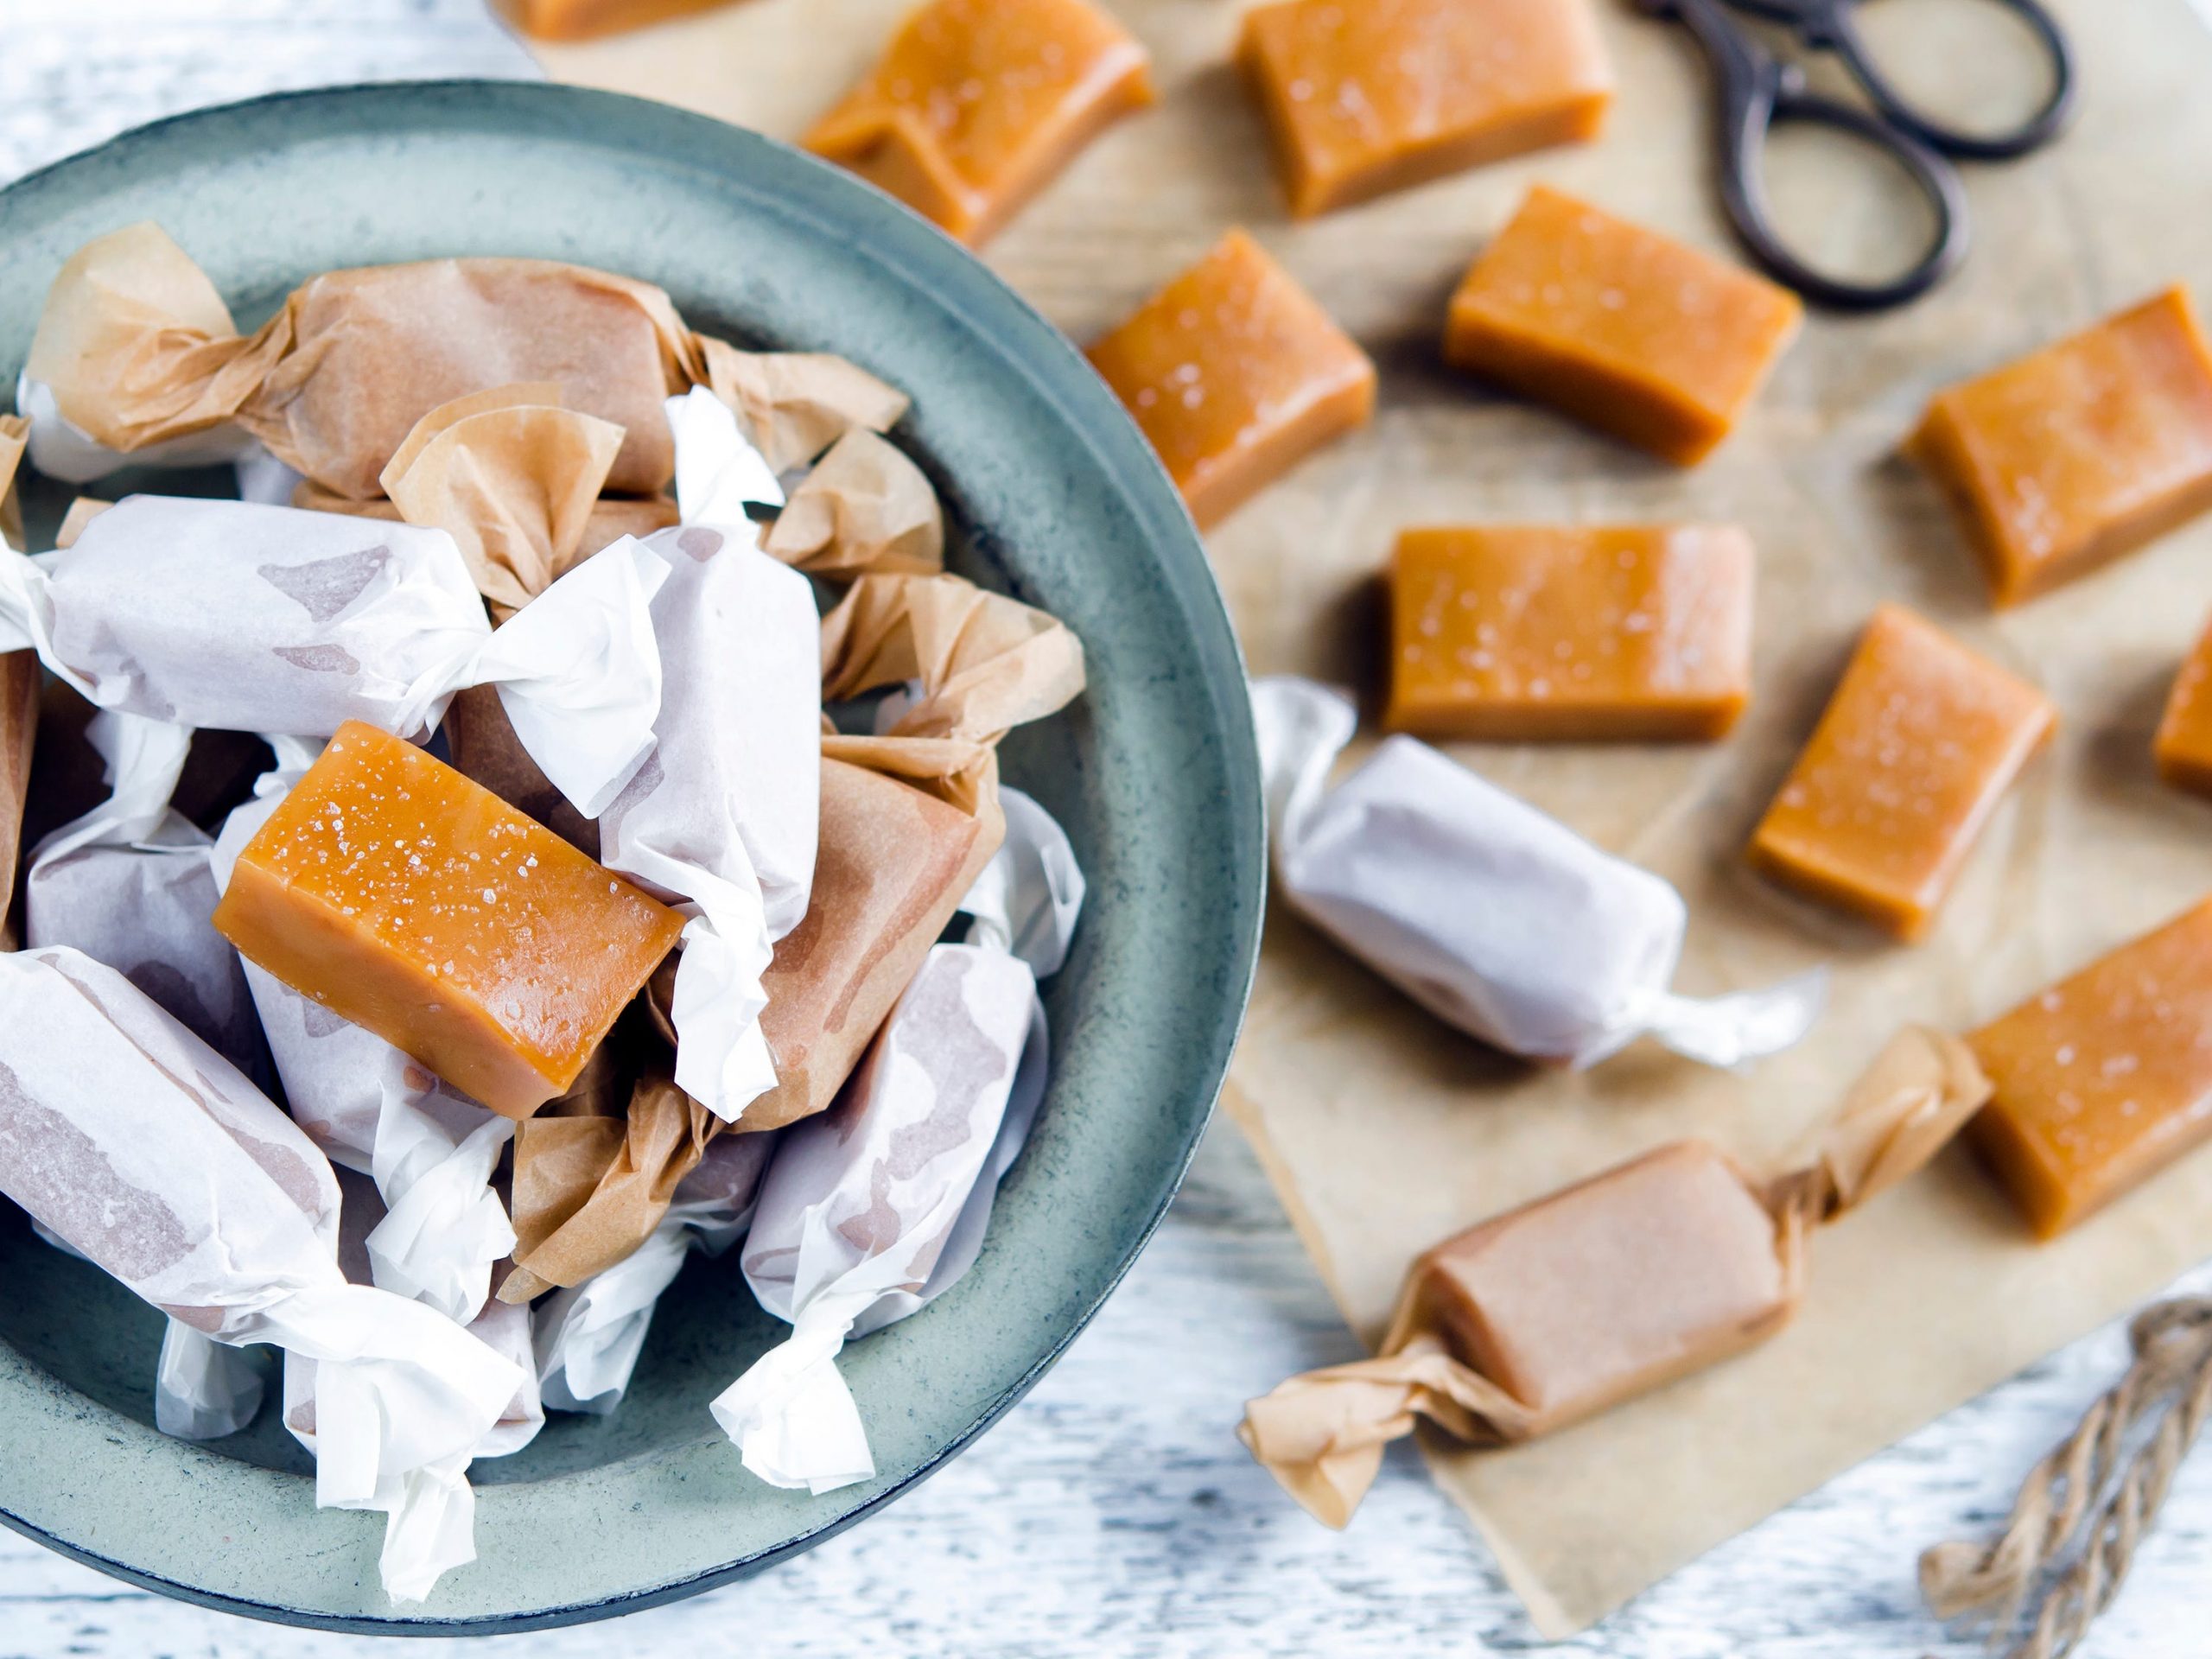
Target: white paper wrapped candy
1496,918
150,1154
369,1106
258,618
588,1336
877,1205
721,820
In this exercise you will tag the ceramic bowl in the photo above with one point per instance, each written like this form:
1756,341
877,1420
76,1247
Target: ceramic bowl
1055,499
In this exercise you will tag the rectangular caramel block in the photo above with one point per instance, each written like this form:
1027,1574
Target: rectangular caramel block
1371,97
977,103
1915,748
2081,452
2182,747
891,865
1620,326
1646,1273
1534,631
414,902
1235,374
2105,1078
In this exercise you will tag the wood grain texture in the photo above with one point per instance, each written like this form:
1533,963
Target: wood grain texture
1112,1513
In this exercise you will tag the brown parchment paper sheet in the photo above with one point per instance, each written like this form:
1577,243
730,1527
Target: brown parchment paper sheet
1383,1130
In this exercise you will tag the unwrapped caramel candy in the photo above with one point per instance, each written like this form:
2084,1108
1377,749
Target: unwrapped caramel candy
588,20
976,103
1915,750
2105,1078
2081,451
1525,632
2182,747
1657,1268
418,905
1628,330
1235,374
1367,98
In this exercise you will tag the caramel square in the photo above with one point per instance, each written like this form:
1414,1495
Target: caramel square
2081,451
976,104
1628,330
1372,96
1530,633
1234,373
2105,1078
2182,747
1916,748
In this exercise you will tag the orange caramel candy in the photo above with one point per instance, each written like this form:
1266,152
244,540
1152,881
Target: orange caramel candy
1918,746
1235,374
2081,451
2182,747
1374,95
2105,1078
587,20
411,901
1620,326
1526,632
978,103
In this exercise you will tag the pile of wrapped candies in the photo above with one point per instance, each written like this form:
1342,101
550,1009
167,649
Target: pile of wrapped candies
568,931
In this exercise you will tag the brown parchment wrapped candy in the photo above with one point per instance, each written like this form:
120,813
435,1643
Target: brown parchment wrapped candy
137,348
612,517
796,404
1657,1268
907,819
19,692
865,507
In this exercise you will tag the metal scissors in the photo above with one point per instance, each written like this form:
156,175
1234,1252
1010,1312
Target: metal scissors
1758,91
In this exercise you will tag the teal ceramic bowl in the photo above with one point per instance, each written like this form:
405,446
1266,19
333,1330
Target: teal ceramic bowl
1056,500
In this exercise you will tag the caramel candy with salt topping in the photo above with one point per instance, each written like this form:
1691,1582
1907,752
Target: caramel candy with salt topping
1373,97
1235,374
418,905
977,103
2081,451
2182,747
1654,1270
1919,743
1528,632
1620,326
2105,1078
892,864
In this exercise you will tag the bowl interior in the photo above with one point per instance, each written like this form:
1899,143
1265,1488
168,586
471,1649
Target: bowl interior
1054,499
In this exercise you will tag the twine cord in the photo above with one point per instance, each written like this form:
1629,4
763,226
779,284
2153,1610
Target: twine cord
2083,1509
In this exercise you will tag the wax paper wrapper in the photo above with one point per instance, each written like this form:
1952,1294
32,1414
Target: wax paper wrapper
796,404
1491,915
149,1153
864,508
370,1107
136,349
588,1336
1662,1266
722,820
610,518
870,1209
19,687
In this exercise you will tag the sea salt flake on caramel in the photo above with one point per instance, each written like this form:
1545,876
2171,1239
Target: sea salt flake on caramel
2105,1078
415,903
1620,326
2081,451
1651,1270
1373,95
1528,633
977,103
1235,374
1915,750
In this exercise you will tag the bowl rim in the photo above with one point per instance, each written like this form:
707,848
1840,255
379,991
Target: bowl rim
1028,345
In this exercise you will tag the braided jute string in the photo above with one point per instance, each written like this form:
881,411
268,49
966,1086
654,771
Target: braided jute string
2083,1508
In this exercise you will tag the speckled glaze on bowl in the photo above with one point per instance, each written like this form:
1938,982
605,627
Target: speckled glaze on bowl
1056,500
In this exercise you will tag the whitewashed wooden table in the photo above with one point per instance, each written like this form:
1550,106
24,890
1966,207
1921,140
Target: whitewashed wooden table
1113,1512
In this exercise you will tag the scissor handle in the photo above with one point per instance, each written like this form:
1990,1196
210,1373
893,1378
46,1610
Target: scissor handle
1758,93
1831,26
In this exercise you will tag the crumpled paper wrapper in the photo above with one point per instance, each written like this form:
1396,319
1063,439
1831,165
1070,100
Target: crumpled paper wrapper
206,1201
865,507
1486,912
19,691
135,348
872,1209
796,404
